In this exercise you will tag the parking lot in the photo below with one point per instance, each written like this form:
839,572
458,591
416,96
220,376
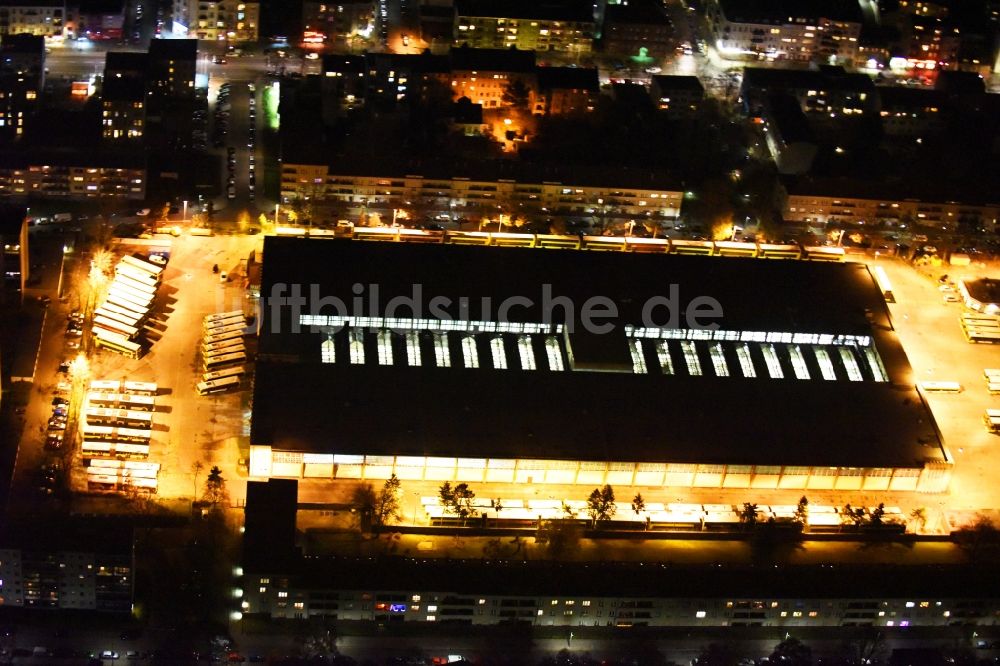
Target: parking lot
187,428
938,351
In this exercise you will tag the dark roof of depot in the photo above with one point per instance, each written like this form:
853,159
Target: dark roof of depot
270,521
124,88
568,78
301,404
550,10
779,11
464,58
11,219
677,82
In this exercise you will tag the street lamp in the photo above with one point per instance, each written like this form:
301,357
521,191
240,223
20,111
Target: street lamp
277,207
184,216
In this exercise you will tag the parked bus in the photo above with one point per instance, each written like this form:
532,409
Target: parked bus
129,332
139,310
139,403
114,316
105,385
992,420
225,323
142,264
132,283
218,386
115,449
110,434
219,361
224,347
124,312
140,388
140,297
234,371
220,330
221,316
883,283
116,342
140,278
987,337
942,387
222,337
114,417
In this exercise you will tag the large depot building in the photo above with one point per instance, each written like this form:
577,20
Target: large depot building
803,384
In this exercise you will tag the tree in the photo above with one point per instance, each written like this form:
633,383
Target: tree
601,504
878,514
920,515
243,221
802,510
386,507
792,652
196,469
363,500
852,515
748,515
980,540
717,654
457,500
215,486
560,536
497,506
638,504
516,95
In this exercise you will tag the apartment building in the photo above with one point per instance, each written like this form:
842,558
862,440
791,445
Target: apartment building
638,29
852,202
483,75
566,90
531,192
828,91
554,25
96,19
46,18
676,95
324,20
217,20
816,30
22,77
72,176
123,109
73,567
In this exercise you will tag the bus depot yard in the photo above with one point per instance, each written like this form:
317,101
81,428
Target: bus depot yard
191,433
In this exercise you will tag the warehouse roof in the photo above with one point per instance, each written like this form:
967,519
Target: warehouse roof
369,397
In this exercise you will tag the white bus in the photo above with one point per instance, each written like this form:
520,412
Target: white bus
139,310
234,371
124,312
124,465
110,434
238,320
222,337
883,283
105,385
218,386
114,316
141,278
140,297
115,449
129,281
116,342
218,361
119,417
221,316
979,335
221,330
942,387
140,388
224,347
139,403
992,420
129,332
142,264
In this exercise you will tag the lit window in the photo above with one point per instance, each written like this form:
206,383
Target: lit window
328,351
746,361
442,356
526,353
432,609
585,602
663,356
825,364
282,595
412,348
718,360
853,372
357,346
910,604
415,597
554,354
482,602
555,602
263,590
784,613
384,347
796,613
470,356
299,604
813,613
771,360
691,358
700,614
497,352
798,362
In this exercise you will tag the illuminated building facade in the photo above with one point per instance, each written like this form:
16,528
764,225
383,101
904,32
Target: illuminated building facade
561,26
478,391
826,31
322,21
638,29
22,77
71,177
46,18
217,20
123,109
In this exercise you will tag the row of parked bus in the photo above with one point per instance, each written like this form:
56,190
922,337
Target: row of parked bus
527,513
223,352
118,419
981,328
122,316
117,475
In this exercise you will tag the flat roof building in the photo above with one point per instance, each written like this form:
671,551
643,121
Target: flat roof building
495,374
